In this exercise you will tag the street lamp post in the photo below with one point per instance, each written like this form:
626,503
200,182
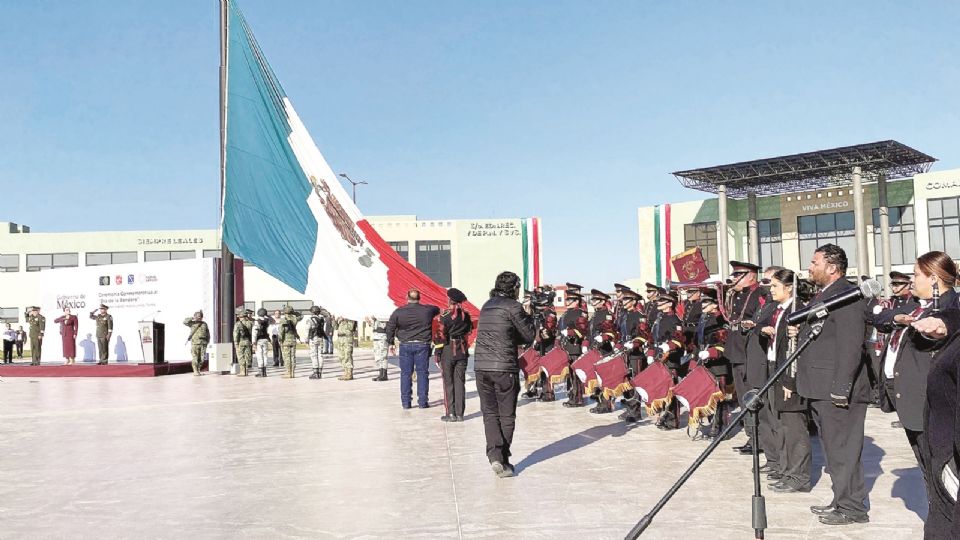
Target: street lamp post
354,185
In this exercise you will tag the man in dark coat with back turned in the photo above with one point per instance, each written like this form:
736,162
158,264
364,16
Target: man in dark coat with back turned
411,325
831,375
503,326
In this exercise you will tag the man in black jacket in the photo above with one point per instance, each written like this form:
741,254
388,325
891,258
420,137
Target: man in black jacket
503,326
411,324
831,375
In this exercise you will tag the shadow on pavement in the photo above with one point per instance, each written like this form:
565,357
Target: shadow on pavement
573,442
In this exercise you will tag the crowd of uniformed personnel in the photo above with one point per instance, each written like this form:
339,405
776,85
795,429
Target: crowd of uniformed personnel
701,347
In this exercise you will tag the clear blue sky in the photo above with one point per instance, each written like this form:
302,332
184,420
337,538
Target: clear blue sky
572,111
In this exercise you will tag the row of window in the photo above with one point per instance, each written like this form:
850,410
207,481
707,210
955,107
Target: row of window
12,314
42,261
839,228
433,258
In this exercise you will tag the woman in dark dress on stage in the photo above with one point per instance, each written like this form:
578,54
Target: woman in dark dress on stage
69,326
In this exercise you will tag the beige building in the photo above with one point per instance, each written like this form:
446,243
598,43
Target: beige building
461,253
923,216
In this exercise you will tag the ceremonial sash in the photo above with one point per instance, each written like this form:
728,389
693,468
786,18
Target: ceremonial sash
612,376
699,393
585,370
653,386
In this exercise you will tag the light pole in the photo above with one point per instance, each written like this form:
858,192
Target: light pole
344,175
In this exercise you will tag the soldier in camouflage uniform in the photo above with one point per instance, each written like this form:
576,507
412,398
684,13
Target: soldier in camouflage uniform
199,338
379,326
37,323
315,341
104,322
288,339
243,341
346,329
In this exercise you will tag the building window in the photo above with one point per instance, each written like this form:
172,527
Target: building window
771,247
211,254
837,228
41,261
903,236
9,315
9,263
703,236
298,305
402,249
150,256
433,259
116,257
944,225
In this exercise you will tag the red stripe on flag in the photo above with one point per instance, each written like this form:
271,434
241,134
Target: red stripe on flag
403,276
536,251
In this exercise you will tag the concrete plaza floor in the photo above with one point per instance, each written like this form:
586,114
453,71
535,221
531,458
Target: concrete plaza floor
228,457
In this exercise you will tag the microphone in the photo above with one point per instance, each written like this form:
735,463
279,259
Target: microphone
868,289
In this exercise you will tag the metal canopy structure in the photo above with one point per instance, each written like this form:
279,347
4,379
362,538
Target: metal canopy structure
808,171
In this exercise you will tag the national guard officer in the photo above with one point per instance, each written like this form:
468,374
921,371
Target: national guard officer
199,338
104,323
37,323
243,340
288,339
315,341
262,336
346,330
379,326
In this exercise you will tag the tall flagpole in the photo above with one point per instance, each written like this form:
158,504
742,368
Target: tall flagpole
226,293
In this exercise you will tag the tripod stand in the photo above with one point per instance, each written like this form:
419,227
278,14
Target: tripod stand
752,402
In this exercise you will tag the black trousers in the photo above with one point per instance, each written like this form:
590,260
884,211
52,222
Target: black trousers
941,517
7,351
740,383
19,349
918,444
275,340
498,391
794,442
454,377
841,433
769,430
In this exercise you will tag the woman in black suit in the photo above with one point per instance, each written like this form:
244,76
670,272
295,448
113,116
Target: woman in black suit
790,410
907,361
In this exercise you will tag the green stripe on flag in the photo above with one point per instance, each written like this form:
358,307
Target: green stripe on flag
526,256
656,241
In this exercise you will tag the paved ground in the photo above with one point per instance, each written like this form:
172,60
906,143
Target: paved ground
227,457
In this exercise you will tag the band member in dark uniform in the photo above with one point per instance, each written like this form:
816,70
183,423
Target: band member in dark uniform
636,340
604,337
758,370
906,361
789,409
451,333
668,347
574,333
691,308
832,376
546,321
709,341
650,307
742,302
877,341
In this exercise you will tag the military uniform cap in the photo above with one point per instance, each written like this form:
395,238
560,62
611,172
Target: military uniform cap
569,295
262,312
708,296
620,287
198,313
651,287
241,312
456,295
597,294
899,277
574,287
630,294
287,310
315,310
744,266
104,306
667,296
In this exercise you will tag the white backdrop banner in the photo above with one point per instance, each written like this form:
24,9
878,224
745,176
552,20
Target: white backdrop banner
165,291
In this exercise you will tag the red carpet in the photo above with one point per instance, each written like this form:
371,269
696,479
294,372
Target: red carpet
93,370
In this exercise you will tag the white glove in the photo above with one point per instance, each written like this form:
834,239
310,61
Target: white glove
664,347
703,355
628,344
649,360
598,339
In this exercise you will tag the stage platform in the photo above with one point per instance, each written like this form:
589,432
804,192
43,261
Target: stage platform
93,370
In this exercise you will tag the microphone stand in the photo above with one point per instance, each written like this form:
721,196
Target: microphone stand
752,404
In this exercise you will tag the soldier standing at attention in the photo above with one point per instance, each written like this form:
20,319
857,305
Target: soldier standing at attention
315,342
288,340
243,340
346,329
37,324
199,338
104,322
262,336
379,326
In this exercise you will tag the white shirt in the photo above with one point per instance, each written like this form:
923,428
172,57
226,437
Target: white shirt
772,350
890,359
10,335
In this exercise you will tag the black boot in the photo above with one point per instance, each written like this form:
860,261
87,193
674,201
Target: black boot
382,376
316,373
263,372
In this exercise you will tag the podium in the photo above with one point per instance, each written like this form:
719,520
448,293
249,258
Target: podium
151,341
